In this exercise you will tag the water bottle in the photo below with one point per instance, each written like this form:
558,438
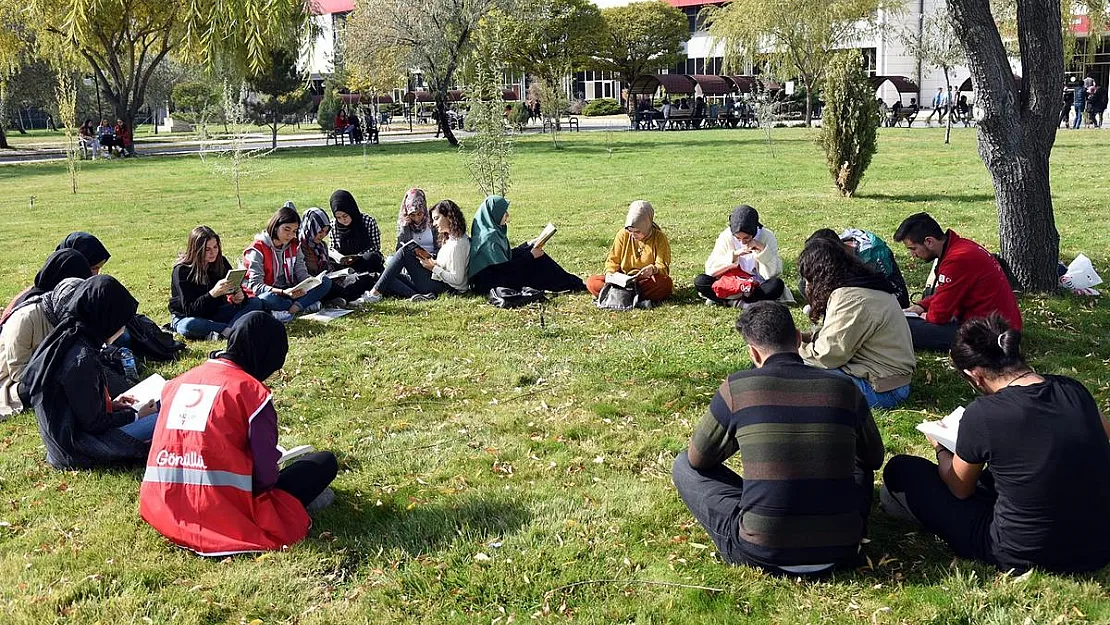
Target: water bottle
130,369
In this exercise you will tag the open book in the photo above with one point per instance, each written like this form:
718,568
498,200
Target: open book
911,314
288,455
309,283
620,279
327,314
342,259
235,276
420,252
944,431
147,390
545,235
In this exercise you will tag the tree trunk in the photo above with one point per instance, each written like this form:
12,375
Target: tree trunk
274,123
1018,128
3,136
951,108
444,123
809,102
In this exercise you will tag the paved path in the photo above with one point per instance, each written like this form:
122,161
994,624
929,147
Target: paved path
151,146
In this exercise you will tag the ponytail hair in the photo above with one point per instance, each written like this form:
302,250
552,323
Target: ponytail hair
989,344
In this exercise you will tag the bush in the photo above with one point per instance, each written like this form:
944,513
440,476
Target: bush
848,129
602,106
519,115
575,106
328,109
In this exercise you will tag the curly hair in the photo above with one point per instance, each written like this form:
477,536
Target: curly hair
456,223
827,266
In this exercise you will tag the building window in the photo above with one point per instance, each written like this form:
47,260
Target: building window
870,61
608,89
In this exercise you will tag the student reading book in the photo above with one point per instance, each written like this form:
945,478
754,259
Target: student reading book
206,294
276,268
493,263
641,253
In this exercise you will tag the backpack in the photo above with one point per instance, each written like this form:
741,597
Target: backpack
504,297
613,297
150,342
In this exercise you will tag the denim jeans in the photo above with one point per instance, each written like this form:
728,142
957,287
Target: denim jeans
889,399
141,429
1078,116
273,301
932,337
414,279
226,315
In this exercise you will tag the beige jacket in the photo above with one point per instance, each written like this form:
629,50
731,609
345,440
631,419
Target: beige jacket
864,333
21,334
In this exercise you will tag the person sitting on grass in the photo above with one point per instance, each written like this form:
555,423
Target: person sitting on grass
744,266
414,223
81,425
873,251
809,448
21,335
355,235
314,231
966,283
203,304
61,264
1028,484
493,263
641,249
863,330
212,482
90,247
415,274
275,266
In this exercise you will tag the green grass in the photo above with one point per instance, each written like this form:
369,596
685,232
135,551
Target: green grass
548,433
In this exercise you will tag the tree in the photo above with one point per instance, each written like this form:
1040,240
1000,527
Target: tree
796,39
279,93
492,145
935,45
551,39
435,36
15,46
640,38
1017,127
848,125
329,108
368,69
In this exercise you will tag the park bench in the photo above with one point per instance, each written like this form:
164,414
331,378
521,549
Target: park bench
564,122
334,136
905,114
644,120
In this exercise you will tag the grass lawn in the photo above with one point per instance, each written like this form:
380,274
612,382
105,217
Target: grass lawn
490,457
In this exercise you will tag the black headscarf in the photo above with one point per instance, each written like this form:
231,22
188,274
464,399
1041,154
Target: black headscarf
89,246
744,219
59,265
97,310
353,239
258,343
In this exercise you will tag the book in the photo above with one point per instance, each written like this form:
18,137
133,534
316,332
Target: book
342,259
341,273
235,276
308,284
911,314
945,431
327,314
288,455
545,235
417,251
620,279
147,390
421,253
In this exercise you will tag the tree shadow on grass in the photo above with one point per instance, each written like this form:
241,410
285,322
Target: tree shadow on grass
914,198
363,527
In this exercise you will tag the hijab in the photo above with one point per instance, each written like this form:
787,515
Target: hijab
258,344
314,221
55,302
414,202
354,238
744,219
98,308
61,264
89,246
641,216
488,243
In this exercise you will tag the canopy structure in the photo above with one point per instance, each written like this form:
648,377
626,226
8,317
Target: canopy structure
355,98
751,84
648,84
967,86
901,84
713,85
453,96
699,84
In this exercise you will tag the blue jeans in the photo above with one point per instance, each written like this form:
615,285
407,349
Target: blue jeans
414,279
889,399
1078,116
273,301
142,429
226,315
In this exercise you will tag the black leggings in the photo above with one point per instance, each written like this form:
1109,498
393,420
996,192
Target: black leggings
523,270
306,477
767,290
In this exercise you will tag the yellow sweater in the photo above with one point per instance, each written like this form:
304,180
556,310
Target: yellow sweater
629,256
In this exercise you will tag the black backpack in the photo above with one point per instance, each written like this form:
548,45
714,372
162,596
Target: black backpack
613,297
150,342
504,297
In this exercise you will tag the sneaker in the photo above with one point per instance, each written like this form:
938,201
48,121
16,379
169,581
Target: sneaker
315,308
323,500
283,316
894,504
423,297
338,302
371,298
213,336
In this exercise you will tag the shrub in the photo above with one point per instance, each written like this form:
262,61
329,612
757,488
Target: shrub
602,106
519,115
575,106
328,109
848,129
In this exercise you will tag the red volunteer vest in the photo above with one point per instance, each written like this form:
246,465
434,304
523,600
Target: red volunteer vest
198,490
269,262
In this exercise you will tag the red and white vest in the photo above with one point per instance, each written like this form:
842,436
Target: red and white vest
271,265
198,490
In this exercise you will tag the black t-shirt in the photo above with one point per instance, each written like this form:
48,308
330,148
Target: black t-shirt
1050,459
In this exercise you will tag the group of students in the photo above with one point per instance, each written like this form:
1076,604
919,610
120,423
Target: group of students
801,416
106,137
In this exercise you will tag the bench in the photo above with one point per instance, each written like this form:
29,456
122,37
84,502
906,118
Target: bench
337,137
644,120
903,114
564,122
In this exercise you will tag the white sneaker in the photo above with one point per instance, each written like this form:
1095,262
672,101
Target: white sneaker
315,308
371,298
337,302
323,500
423,297
213,336
283,316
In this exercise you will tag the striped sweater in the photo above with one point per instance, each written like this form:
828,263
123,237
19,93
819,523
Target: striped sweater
801,432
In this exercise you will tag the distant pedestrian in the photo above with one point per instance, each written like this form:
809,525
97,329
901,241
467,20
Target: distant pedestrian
1079,102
